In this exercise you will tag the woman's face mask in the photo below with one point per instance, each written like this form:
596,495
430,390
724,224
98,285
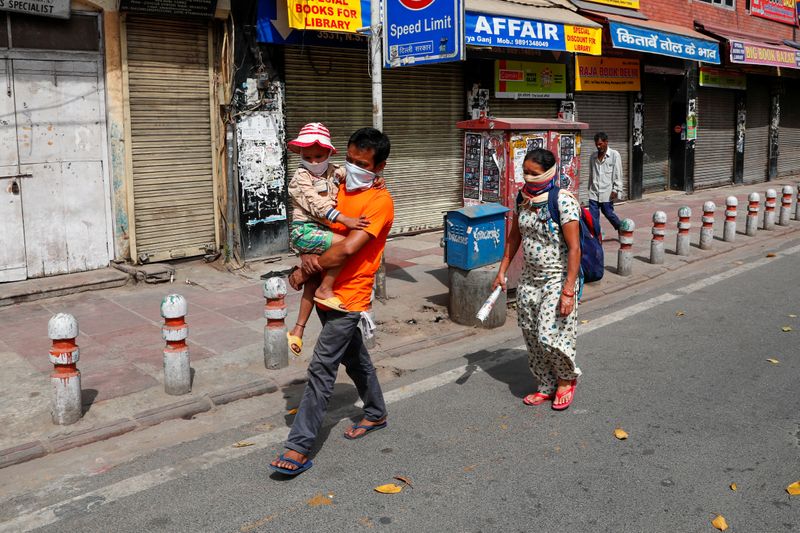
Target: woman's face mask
358,178
318,169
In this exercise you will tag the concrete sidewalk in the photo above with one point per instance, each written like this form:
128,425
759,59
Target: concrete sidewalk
121,345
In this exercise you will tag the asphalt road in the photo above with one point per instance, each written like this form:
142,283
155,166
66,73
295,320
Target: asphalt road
686,375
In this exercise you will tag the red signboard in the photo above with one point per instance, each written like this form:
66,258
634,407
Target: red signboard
779,10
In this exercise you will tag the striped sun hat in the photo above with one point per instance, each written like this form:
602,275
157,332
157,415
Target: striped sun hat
313,133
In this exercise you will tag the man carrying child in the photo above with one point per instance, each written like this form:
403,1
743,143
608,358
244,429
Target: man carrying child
357,257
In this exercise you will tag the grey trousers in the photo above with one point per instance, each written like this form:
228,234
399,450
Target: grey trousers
339,342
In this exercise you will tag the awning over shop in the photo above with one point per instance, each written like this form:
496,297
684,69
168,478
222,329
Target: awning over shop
749,50
531,24
660,38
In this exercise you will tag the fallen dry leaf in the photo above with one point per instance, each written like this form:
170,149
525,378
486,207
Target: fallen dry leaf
243,444
773,361
292,411
738,262
620,433
680,313
794,489
792,316
786,329
503,426
404,480
733,487
264,427
584,321
720,523
320,499
470,468
770,254
389,488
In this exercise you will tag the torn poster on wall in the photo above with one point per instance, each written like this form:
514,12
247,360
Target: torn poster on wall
262,178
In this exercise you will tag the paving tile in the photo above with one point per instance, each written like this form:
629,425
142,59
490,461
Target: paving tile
106,323
116,381
228,339
16,314
432,260
207,321
244,313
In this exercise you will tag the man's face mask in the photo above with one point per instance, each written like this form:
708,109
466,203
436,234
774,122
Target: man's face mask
358,178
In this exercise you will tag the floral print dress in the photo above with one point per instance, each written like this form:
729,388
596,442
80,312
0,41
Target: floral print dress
550,338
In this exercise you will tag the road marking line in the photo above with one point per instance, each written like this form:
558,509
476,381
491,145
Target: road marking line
154,478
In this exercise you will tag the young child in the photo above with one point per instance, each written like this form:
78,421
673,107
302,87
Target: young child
313,190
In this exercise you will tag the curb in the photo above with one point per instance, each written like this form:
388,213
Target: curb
192,406
150,417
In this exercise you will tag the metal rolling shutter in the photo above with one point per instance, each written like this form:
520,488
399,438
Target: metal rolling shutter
789,132
523,108
421,107
756,140
656,135
171,137
714,148
608,112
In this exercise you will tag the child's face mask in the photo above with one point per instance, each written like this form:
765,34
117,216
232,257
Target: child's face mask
358,178
318,169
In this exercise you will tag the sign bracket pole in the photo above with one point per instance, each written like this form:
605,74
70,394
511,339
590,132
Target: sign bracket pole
376,73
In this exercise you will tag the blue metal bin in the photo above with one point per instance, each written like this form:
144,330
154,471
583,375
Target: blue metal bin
475,236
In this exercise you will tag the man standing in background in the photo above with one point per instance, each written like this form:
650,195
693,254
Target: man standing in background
605,180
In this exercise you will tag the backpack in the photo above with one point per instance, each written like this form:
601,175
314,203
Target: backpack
592,262
591,239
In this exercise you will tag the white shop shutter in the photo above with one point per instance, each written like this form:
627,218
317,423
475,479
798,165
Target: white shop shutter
608,112
171,137
656,135
789,132
714,148
756,140
421,107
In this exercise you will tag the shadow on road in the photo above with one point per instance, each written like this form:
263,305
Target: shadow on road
514,373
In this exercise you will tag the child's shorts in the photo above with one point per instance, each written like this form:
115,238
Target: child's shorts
310,237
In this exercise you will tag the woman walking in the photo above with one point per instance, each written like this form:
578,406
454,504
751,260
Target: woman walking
546,293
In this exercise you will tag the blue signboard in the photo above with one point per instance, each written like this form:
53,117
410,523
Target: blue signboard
663,43
495,30
417,32
272,26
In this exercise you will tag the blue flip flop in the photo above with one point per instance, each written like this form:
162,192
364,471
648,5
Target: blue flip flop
367,428
301,467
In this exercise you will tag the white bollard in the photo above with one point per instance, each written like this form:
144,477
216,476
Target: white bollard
276,350
753,205
684,225
177,368
66,378
786,205
769,209
729,230
625,254
657,242
707,230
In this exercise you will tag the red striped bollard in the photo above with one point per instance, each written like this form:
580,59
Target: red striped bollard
625,254
729,230
786,205
770,202
66,378
753,205
684,225
177,369
657,243
276,349
707,230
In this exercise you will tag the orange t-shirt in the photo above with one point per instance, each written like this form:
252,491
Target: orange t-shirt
354,283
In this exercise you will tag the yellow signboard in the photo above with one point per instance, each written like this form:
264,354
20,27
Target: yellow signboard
583,40
325,15
632,4
606,74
